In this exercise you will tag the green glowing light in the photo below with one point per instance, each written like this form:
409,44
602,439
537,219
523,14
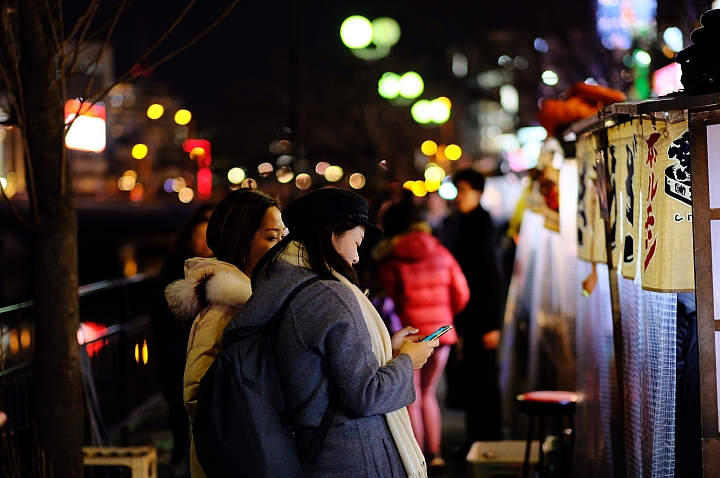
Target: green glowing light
642,57
411,85
356,32
389,85
385,32
421,112
439,111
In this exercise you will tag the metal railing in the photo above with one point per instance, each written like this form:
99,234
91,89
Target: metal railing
119,373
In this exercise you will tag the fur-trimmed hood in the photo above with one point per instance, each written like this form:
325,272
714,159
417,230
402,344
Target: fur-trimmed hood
207,283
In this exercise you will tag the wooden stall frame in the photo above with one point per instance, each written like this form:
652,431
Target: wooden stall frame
618,335
698,121
701,111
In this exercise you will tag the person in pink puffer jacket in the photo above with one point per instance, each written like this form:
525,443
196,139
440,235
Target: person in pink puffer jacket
428,289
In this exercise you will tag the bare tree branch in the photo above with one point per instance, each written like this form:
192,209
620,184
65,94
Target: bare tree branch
53,28
102,50
83,21
128,76
87,20
167,32
201,35
103,28
13,58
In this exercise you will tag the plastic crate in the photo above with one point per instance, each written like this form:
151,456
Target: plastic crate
141,460
499,459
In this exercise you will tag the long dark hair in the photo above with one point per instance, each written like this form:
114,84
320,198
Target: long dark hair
322,257
234,222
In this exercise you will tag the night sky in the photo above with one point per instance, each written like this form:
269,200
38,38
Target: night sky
237,80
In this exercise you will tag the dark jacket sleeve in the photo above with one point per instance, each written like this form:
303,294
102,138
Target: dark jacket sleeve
474,249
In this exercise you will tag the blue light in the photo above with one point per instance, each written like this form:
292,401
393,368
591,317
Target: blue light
674,38
614,29
540,45
168,185
447,191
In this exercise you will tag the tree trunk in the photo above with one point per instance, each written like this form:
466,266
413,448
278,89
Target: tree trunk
57,403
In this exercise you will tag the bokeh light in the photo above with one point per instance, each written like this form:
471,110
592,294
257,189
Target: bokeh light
385,32
357,181
265,169
550,78
418,188
139,151
408,185
284,160
356,32
389,85
540,45
642,57
445,100
410,85
127,181
178,184
421,112
168,185
236,175
509,99
284,175
249,183
673,37
321,167
453,152
196,152
447,191
440,154
155,111
136,192
428,147
333,174
185,195
183,117
303,181
434,173
439,111
432,186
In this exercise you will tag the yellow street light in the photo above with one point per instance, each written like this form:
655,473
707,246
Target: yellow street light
155,111
183,117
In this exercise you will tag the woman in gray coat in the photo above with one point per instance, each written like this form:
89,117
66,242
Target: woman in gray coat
331,334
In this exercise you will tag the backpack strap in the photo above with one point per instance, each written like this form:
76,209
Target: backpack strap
308,465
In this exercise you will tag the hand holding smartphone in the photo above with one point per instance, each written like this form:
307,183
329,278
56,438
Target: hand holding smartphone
441,331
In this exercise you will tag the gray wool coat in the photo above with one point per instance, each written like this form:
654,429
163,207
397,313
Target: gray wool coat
323,335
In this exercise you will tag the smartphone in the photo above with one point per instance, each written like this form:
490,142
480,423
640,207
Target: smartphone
442,330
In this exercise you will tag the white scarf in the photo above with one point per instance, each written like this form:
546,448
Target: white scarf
399,420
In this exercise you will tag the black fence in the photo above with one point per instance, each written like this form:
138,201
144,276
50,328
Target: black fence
117,357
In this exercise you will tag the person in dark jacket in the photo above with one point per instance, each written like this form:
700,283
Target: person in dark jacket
171,339
428,288
332,337
470,235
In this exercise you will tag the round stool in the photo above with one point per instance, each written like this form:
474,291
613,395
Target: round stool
546,403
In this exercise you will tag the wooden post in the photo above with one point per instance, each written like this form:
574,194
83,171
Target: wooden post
618,338
707,324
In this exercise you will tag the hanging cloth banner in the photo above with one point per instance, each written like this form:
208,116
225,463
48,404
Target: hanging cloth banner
623,141
590,226
665,228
